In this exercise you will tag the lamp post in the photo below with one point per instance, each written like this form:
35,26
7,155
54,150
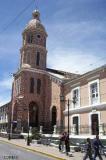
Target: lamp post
62,99
68,104
9,137
10,123
28,139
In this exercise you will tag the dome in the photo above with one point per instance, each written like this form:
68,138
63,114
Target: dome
35,23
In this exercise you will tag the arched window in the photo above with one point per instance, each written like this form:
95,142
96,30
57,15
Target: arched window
38,86
54,115
33,114
30,38
37,58
31,85
44,42
38,36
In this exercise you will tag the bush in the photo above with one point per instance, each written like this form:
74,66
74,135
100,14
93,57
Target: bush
35,134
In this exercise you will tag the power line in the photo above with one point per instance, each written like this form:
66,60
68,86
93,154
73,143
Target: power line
17,16
36,4
96,61
92,64
35,7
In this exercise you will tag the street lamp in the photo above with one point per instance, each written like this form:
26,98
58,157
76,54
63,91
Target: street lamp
11,121
9,137
62,99
28,138
10,118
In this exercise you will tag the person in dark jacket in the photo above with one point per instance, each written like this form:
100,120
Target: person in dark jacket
67,143
97,144
62,142
88,150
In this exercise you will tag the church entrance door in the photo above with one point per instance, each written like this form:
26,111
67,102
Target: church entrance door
33,115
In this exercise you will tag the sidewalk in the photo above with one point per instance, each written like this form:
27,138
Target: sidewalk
50,151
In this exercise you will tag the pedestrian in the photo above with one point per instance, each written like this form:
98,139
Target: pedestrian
62,142
88,150
67,143
96,145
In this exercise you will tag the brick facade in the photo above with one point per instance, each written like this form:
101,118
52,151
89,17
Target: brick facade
49,95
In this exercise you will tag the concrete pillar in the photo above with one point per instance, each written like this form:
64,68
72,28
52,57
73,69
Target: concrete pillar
90,130
22,130
101,129
74,129
30,129
18,125
55,131
41,130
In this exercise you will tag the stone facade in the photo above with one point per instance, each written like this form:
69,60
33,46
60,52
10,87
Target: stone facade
90,112
4,117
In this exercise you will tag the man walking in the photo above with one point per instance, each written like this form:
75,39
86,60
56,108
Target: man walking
88,150
97,144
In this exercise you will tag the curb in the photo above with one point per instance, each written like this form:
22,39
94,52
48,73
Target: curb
33,150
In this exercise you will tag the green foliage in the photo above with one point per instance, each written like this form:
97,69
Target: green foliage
35,134
104,142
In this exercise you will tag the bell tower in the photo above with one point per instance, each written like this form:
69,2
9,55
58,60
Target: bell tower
33,51
29,80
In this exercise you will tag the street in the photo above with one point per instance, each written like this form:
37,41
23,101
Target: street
11,152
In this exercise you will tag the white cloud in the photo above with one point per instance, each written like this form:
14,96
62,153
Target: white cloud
76,46
73,60
6,83
74,32
4,99
5,90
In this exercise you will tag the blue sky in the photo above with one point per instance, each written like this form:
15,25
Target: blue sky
76,36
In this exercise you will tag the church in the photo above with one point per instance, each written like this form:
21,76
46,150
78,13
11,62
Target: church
47,97
36,88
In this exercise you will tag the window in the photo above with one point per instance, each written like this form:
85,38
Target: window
76,97
31,85
28,58
37,58
94,92
38,86
44,42
38,35
54,115
76,124
17,85
30,38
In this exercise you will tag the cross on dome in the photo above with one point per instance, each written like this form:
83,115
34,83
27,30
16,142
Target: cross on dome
36,14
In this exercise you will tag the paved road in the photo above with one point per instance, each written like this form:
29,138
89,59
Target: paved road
11,152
